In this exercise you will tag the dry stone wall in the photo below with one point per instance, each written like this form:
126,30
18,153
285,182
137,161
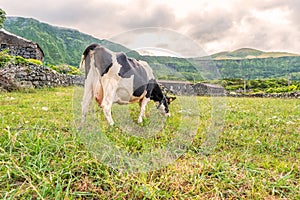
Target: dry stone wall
18,77
25,52
18,46
204,89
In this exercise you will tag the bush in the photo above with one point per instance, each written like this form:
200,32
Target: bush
279,85
35,61
19,60
4,58
65,69
291,88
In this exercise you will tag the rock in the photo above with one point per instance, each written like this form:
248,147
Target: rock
35,83
26,85
43,78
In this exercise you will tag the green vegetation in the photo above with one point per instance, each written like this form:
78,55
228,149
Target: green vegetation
260,85
282,67
66,69
62,45
6,59
256,157
34,61
2,17
248,53
172,68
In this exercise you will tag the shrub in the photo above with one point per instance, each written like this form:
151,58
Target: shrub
291,88
65,69
4,58
19,60
35,61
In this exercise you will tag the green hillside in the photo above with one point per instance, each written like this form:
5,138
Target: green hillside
60,45
261,68
248,53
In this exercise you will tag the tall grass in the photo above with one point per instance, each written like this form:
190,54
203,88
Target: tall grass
42,156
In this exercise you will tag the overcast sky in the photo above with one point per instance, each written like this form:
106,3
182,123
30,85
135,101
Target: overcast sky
216,25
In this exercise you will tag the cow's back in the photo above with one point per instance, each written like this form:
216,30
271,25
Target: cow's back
97,56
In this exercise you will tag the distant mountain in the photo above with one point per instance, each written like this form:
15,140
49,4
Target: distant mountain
248,53
64,45
60,45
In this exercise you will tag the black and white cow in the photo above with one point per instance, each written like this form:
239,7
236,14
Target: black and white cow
114,78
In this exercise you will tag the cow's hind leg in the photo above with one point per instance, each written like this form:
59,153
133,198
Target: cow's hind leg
143,105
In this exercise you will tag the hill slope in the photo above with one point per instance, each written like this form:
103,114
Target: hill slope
248,53
60,45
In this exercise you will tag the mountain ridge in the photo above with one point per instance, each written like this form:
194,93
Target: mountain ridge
249,53
60,44
22,23
65,46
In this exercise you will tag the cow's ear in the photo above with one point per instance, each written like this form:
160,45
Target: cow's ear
172,99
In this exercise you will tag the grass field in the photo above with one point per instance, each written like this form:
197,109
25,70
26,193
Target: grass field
256,156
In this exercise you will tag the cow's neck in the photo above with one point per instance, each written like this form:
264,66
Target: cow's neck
157,94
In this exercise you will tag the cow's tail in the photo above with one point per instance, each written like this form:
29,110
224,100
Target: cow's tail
82,67
86,52
82,63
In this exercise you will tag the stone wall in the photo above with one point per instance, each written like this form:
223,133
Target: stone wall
18,77
25,52
177,87
18,46
202,89
205,89
189,89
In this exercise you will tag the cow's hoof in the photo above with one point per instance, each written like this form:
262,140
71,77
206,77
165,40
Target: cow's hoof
82,119
140,120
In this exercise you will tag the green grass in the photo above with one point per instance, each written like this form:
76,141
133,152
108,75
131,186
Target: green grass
42,156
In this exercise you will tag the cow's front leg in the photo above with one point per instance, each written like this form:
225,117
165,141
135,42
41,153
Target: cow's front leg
109,90
86,100
143,105
109,93
107,114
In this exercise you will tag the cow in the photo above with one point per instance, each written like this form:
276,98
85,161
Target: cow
115,78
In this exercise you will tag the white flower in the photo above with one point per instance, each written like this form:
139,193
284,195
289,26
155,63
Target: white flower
45,108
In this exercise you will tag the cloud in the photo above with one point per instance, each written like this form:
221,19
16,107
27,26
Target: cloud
209,26
294,7
268,26
150,17
215,25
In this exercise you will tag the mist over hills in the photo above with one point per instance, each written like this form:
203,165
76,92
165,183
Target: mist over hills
65,46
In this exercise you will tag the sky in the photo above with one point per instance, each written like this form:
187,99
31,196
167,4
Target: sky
214,25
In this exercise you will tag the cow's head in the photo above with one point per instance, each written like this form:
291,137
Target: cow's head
163,105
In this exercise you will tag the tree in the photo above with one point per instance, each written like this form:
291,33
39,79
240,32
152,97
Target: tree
2,17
